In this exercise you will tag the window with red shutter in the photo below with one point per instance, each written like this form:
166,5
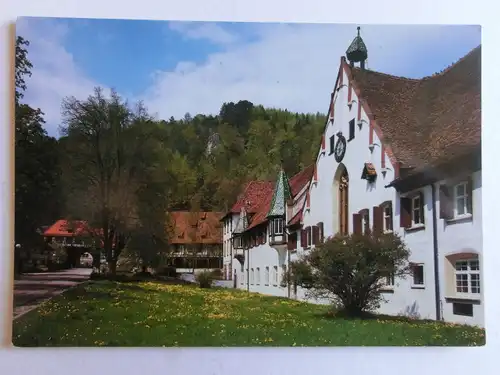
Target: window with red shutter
321,234
405,212
303,239
309,236
387,216
365,221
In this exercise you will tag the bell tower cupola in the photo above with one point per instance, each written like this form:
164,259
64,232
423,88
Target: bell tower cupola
357,51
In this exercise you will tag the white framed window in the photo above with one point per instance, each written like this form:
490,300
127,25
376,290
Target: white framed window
460,201
418,280
387,212
251,276
467,276
308,237
257,279
416,210
277,226
275,275
266,276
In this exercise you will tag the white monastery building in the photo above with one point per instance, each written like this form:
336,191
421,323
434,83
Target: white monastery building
397,154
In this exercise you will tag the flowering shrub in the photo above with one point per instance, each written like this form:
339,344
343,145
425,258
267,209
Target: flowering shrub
351,270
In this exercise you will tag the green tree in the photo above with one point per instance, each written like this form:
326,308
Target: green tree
37,173
351,270
103,174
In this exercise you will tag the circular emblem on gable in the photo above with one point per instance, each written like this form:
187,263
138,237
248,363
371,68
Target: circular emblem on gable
340,148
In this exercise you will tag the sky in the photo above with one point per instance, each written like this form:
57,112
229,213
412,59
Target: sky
179,67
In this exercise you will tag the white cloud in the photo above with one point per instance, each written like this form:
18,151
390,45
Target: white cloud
55,72
295,67
201,30
284,66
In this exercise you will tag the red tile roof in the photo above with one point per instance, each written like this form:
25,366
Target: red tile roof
261,216
429,120
296,219
297,182
252,196
195,227
301,179
67,228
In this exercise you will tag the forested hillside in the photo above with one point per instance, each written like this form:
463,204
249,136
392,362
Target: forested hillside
253,141
119,168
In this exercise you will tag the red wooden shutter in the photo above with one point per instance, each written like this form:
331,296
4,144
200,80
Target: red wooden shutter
315,235
303,238
378,220
290,242
445,203
356,223
405,213
422,207
470,186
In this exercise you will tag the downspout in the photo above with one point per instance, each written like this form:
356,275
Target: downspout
248,270
288,270
437,288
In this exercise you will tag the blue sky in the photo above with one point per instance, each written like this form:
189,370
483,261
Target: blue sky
179,67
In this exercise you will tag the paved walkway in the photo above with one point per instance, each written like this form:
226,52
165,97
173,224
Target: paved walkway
34,288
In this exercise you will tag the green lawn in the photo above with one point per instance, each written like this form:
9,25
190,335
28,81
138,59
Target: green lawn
107,313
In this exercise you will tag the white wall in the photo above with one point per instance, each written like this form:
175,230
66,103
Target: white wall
231,221
461,237
403,298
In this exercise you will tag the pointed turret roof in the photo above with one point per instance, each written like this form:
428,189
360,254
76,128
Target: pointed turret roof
357,50
282,193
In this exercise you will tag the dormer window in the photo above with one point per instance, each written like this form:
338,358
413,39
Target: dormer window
277,226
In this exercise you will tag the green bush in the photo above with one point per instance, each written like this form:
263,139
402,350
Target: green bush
350,270
204,279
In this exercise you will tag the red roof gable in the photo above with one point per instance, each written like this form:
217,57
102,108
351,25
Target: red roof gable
297,183
261,215
296,219
67,228
195,227
253,195
301,179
